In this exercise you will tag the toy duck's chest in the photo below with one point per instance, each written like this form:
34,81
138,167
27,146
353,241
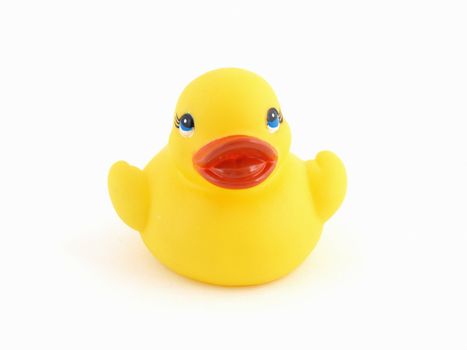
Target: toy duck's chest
233,236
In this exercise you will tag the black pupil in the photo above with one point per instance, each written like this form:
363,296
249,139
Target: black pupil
187,121
273,114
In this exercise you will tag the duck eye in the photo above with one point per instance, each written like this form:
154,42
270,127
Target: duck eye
273,120
186,125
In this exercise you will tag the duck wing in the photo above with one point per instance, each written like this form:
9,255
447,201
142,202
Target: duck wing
129,192
328,182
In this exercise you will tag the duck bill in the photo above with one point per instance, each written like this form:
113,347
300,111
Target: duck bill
235,162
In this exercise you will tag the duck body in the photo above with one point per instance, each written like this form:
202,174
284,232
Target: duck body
230,237
229,210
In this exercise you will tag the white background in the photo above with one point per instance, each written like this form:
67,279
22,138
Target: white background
381,83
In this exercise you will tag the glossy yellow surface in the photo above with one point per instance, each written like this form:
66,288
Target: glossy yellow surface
229,237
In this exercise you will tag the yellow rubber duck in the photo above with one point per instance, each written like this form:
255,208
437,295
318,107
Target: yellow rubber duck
225,202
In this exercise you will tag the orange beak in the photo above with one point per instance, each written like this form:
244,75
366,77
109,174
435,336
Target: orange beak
235,162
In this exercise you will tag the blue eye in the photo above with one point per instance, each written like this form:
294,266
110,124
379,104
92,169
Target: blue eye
186,124
273,119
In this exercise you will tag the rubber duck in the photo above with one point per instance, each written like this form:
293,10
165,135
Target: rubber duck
225,202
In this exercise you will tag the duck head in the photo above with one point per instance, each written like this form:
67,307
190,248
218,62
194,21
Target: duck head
229,130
